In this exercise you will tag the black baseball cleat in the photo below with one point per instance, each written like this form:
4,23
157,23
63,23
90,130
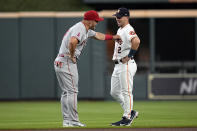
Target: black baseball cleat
134,114
124,122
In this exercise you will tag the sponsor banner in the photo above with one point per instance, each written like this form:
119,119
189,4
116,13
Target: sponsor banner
172,86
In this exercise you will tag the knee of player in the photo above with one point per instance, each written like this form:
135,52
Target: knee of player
114,94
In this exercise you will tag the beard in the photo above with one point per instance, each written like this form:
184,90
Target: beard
93,28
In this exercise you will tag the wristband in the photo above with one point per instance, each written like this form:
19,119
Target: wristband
131,53
108,37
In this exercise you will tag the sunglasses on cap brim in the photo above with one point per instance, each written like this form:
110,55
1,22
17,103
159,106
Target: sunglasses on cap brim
119,17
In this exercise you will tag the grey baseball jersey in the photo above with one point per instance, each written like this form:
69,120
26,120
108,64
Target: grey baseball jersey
67,74
78,31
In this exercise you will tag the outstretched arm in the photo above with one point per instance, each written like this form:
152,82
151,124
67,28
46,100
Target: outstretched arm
101,36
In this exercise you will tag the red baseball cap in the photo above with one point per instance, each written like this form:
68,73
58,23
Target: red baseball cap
92,15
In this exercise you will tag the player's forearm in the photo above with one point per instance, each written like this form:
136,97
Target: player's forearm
72,46
71,49
101,36
135,44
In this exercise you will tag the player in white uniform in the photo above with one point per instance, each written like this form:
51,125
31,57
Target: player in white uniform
125,67
65,63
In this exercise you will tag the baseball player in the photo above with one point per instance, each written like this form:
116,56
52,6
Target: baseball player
125,67
65,63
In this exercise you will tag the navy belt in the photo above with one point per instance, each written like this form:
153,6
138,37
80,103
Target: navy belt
118,62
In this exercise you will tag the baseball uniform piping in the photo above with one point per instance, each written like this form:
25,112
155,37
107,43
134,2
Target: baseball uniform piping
128,88
72,83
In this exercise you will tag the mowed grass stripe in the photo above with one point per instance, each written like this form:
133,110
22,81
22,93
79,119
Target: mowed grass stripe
97,114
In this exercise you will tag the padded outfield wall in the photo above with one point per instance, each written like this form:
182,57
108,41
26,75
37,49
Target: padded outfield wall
29,43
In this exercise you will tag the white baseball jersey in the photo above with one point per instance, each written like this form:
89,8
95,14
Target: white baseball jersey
122,49
122,76
79,31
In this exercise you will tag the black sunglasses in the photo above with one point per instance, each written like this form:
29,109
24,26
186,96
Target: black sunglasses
118,17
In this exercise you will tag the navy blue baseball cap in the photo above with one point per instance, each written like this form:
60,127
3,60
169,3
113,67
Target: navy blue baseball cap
122,12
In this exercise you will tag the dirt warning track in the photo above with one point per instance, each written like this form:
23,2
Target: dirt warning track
114,129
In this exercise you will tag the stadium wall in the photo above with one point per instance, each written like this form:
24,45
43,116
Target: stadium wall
29,43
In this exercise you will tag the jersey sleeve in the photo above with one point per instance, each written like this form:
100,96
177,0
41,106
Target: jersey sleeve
130,33
91,33
77,33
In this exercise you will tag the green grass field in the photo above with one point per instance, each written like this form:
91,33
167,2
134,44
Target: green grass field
47,115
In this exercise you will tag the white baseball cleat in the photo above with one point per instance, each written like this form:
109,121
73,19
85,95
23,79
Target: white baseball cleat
78,124
67,124
73,124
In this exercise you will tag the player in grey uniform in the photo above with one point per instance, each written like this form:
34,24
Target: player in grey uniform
65,63
125,67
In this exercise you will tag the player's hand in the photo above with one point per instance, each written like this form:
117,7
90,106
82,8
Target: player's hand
117,38
73,59
59,64
125,59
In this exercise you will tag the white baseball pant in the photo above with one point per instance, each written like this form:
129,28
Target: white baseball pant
122,85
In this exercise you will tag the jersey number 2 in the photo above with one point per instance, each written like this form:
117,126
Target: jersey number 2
119,49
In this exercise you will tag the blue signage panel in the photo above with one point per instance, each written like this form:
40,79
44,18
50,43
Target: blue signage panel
172,86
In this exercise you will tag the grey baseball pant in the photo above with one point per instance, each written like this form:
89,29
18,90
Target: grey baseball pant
67,76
